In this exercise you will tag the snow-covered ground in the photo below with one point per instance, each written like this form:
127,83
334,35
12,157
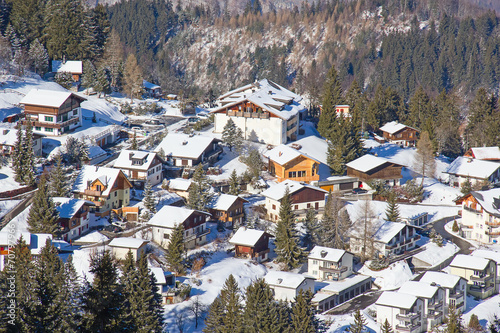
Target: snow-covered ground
433,254
7,205
7,179
391,277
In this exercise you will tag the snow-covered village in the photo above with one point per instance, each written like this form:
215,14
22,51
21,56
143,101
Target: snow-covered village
134,200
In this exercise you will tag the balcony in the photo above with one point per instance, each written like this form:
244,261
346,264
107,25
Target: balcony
409,317
494,223
333,269
435,314
479,289
93,193
194,236
483,278
456,295
261,115
472,210
492,232
409,328
435,305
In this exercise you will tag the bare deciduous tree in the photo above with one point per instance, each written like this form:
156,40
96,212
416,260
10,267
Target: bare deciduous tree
365,229
424,158
197,308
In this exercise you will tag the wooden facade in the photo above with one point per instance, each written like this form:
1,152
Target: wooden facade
301,169
307,194
258,251
386,171
234,213
248,110
408,135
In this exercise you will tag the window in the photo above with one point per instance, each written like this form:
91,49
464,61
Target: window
75,112
49,129
166,236
98,187
308,205
296,207
274,207
116,193
49,118
38,128
315,262
292,174
315,272
301,173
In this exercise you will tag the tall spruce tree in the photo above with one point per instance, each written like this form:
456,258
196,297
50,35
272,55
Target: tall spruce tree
359,323
200,191
257,316
332,95
103,299
89,76
311,228
29,156
225,314
42,217
176,250
344,144
287,249
234,183
302,318
72,292
213,321
392,211
39,57
232,135
103,85
148,198
334,223
58,186
386,327
18,154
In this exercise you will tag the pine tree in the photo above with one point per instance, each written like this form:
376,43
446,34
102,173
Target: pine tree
58,186
133,78
28,168
39,57
134,145
230,295
42,217
102,84
89,76
200,191
148,199
474,323
287,249
103,299
424,158
257,316
213,322
466,187
454,321
71,294
176,250
344,144
18,155
334,223
64,79
232,135
311,228
234,183
386,327
359,323
303,314
455,227
332,96
392,211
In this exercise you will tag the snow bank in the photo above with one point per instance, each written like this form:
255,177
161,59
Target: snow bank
434,255
390,278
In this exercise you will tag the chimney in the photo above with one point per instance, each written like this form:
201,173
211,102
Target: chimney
280,153
96,168
130,155
433,284
323,253
89,184
270,92
184,142
5,131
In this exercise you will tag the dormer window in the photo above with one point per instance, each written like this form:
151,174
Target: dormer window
137,162
98,187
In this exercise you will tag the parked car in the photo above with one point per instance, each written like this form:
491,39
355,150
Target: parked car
359,191
193,120
202,115
113,228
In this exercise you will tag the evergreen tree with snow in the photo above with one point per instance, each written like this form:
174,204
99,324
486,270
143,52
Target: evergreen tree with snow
332,96
200,191
29,156
234,183
58,185
42,216
260,313
89,76
455,324
287,249
76,152
386,327
232,135
102,85
148,198
302,317
103,299
466,187
359,323
392,211
311,228
72,293
134,145
213,321
18,155
64,79
175,250
39,57
226,312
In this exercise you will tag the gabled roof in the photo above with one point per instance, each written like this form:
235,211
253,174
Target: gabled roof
441,279
171,216
419,289
393,127
50,98
179,184
276,192
488,254
326,253
149,85
183,145
124,160
246,237
128,242
72,66
396,300
489,200
469,167
486,153
285,279
470,262
313,147
8,135
266,94
67,207
223,201
368,162
283,154
107,176
386,230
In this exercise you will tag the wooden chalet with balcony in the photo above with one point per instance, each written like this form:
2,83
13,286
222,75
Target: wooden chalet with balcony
8,138
369,167
107,188
400,134
264,111
285,162
251,244
182,150
73,217
140,167
484,153
227,209
52,112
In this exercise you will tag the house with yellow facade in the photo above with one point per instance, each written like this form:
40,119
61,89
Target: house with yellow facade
285,162
107,188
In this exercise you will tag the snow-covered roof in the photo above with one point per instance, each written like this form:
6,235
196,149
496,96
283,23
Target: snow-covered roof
222,201
336,287
394,127
419,289
72,66
396,300
159,275
267,95
486,153
179,184
92,237
91,173
440,279
387,231
246,237
8,135
183,145
326,253
95,151
367,162
283,154
149,85
126,157
171,216
67,207
470,262
489,200
128,242
276,192
469,167
50,98
488,254
35,241
285,279
313,147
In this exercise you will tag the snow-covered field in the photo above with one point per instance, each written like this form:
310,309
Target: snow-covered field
391,277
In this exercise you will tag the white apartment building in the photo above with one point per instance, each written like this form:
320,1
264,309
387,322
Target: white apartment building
433,299
325,263
286,285
454,286
402,311
480,273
